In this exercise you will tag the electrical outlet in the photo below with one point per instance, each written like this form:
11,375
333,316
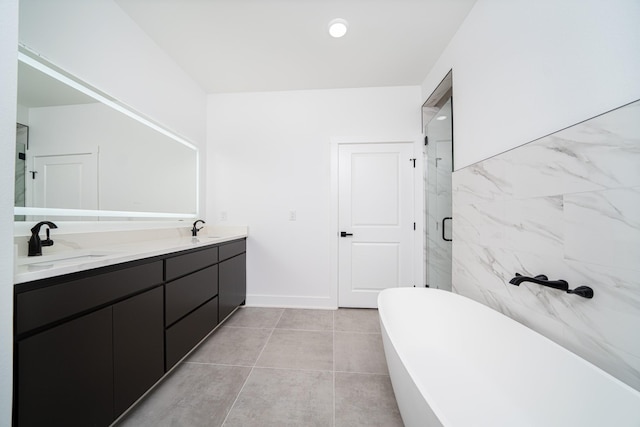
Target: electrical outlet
292,215
223,216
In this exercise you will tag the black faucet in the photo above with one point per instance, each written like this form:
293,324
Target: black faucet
541,279
35,244
194,230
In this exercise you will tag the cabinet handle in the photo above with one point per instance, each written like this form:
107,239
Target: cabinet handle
345,234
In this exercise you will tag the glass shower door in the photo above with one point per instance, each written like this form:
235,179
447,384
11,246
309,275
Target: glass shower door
438,169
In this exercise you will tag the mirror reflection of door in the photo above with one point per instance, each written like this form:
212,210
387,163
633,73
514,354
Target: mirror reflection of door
438,167
67,181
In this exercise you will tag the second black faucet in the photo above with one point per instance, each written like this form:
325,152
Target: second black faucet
194,230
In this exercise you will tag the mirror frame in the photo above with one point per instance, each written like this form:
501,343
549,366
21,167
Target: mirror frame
36,61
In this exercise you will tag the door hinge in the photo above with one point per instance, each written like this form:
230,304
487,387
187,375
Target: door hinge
414,162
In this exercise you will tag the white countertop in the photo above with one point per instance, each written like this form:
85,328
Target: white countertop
28,269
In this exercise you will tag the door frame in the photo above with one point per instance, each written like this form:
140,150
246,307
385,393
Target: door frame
418,203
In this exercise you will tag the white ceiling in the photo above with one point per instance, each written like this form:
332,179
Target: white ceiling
270,45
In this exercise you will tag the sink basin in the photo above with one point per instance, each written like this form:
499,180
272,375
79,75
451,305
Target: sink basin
49,261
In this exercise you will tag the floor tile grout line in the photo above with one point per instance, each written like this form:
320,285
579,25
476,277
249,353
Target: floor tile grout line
230,365
307,330
251,371
303,330
276,368
362,373
358,332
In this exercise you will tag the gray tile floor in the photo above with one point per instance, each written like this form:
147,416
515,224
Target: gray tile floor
279,367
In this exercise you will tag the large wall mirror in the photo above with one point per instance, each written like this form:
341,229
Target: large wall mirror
82,155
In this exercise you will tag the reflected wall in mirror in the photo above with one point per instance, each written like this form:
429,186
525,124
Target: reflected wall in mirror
89,157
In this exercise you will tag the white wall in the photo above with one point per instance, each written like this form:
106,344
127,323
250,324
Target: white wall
96,41
8,83
139,169
269,153
523,69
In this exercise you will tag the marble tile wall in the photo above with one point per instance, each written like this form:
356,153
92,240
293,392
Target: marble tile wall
568,206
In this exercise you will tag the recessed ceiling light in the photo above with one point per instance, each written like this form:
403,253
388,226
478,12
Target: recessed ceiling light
338,27
441,118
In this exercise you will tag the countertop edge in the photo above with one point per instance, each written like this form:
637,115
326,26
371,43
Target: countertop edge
119,254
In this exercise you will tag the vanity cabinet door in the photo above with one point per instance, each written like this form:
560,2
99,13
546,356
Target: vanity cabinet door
138,346
65,374
232,284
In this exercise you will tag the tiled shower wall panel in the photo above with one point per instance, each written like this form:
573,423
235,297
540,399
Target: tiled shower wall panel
568,206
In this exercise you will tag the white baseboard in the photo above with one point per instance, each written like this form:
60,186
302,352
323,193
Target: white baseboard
291,302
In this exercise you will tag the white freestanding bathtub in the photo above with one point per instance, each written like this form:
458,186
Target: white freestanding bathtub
457,363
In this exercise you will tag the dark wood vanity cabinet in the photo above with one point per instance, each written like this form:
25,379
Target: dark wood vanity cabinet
79,364
89,370
89,344
65,374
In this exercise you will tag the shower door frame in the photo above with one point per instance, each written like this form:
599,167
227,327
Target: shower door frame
440,96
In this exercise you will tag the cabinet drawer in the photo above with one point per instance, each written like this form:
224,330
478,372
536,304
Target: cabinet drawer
45,305
184,335
187,293
232,249
184,264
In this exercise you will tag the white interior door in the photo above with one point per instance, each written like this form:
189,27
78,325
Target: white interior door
375,204
67,181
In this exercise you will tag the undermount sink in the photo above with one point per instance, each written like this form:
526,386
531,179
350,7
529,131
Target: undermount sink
49,261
